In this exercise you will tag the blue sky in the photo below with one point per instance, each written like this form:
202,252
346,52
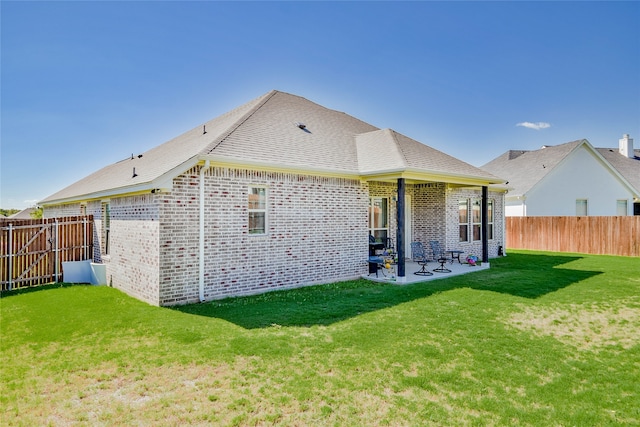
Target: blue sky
85,84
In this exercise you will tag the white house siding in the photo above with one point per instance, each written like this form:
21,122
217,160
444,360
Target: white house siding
317,233
580,176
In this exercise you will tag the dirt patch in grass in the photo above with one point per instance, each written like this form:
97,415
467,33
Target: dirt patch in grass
244,392
583,327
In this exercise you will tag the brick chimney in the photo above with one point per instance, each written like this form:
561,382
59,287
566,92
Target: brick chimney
625,146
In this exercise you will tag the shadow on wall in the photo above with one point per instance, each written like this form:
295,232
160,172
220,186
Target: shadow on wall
519,275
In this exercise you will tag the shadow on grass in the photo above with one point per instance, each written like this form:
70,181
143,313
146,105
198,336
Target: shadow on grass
39,288
520,275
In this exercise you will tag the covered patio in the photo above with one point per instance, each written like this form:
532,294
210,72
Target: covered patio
391,275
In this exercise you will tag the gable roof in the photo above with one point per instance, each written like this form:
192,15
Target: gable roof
627,167
264,133
524,169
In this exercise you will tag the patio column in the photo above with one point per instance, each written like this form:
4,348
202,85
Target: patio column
483,225
400,229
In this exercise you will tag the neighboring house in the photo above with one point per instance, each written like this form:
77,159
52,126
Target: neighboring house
23,214
570,179
277,193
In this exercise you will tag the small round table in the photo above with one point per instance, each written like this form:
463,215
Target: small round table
455,255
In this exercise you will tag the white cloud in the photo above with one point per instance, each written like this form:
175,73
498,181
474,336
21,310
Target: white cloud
536,126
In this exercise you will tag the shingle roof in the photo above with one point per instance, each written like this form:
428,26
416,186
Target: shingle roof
524,169
159,160
264,131
627,167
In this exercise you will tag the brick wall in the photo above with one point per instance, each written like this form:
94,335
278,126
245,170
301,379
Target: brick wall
317,233
452,218
429,219
133,260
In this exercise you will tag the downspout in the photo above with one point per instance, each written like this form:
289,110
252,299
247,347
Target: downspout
201,261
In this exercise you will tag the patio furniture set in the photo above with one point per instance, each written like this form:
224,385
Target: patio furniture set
382,257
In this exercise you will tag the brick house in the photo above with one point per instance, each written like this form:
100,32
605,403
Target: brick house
277,193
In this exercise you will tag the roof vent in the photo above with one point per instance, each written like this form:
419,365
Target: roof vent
301,125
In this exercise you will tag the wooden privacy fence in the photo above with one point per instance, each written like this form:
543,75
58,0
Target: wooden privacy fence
602,235
32,250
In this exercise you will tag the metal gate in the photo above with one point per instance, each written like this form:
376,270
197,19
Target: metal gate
32,250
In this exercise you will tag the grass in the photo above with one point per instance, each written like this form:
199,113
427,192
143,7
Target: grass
539,339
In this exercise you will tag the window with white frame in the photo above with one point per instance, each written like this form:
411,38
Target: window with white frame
473,217
476,219
463,219
581,207
257,202
490,219
379,218
622,208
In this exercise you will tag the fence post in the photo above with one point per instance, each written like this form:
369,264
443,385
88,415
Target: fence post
84,238
55,239
10,239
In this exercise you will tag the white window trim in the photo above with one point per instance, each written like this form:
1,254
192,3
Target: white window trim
265,210
626,205
370,225
586,204
466,200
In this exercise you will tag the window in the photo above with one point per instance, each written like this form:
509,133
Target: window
621,208
581,207
379,218
476,219
463,214
257,210
489,219
106,225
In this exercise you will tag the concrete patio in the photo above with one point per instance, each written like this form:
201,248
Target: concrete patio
411,267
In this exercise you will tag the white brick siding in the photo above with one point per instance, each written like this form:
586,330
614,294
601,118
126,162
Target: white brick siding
453,232
317,233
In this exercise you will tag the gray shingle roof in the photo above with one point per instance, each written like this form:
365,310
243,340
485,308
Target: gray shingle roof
264,131
629,168
524,169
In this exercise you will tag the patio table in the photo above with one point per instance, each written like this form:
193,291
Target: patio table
455,255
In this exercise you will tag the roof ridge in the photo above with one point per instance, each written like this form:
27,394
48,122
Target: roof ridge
241,120
397,143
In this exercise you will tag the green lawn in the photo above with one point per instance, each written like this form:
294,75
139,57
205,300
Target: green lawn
540,339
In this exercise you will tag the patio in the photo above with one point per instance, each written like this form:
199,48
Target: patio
411,267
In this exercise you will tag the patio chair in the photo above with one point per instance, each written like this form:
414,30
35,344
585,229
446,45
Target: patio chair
440,256
419,255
